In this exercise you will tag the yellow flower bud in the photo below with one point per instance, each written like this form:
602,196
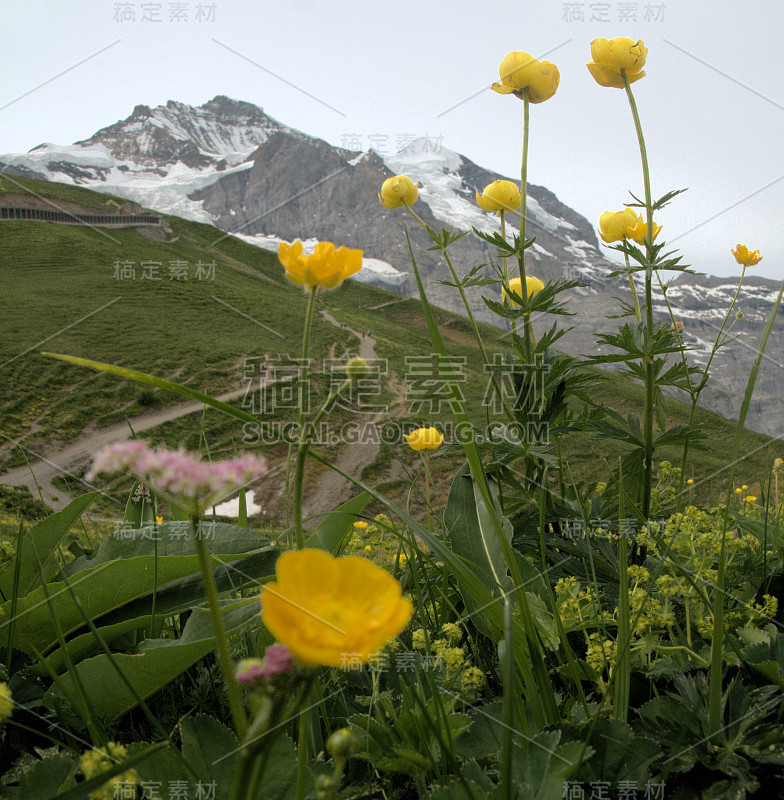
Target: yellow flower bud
738,491
521,71
613,224
356,368
689,482
746,257
424,439
398,191
532,283
738,315
342,743
499,196
744,487
610,56
639,230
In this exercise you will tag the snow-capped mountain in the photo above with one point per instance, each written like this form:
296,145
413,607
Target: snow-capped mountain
229,164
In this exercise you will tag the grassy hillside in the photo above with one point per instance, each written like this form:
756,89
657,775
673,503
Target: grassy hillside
62,294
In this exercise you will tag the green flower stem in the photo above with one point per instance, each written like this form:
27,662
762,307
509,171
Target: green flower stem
428,484
299,472
717,644
650,373
527,331
695,394
504,262
460,288
303,730
221,640
637,312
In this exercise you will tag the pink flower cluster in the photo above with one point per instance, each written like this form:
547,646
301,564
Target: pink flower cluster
255,672
192,483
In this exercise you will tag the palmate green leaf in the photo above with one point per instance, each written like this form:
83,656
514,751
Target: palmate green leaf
116,583
46,778
158,662
542,767
45,536
471,279
211,751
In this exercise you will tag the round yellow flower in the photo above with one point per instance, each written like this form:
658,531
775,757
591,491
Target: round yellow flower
746,257
610,56
738,491
689,482
424,439
532,283
368,548
499,196
613,224
333,610
521,71
778,463
638,230
750,498
744,487
326,267
360,524
398,191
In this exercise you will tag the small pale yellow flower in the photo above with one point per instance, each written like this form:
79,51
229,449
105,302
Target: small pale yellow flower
746,257
519,71
778,463
398,191
639,230
610,56
329,610
6,703
532,283
326,266
499,196
424,439
613,224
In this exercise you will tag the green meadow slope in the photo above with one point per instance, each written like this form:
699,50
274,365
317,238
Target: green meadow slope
62,292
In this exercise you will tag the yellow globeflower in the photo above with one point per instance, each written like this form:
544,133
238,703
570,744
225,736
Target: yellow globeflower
746,257
326,267
744,487
398,191
520,71
424,439
532,283
613,224
360,525
750,498
331,611
638,230
499,196
690,481
738,491
610,56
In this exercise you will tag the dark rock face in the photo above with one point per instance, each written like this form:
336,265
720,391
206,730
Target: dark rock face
301,187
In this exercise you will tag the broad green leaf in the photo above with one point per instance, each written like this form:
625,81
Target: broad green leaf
336,526
158,662
122,573
46,536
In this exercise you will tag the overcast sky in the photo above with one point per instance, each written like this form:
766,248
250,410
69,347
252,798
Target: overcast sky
378,73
